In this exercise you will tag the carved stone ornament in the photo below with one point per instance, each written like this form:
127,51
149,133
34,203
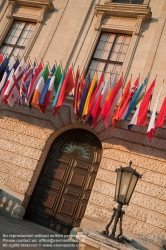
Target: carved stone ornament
124,10
100,16
44,6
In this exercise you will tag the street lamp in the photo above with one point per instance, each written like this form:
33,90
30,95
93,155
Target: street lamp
126,181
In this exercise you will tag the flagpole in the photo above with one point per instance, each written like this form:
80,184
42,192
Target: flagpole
42,62
30,60
56,63
36,61
61,66
151,98
49,66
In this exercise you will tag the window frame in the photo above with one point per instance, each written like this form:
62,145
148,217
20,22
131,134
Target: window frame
128,1
107,61
14,46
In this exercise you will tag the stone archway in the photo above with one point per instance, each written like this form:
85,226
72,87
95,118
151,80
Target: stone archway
63,188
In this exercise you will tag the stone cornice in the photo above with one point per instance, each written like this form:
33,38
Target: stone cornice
44,6
34,4
124,10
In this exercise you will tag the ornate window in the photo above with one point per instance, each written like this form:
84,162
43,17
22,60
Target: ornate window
129,1
17,38
109,54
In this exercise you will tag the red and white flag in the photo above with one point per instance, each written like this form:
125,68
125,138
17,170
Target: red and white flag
151,127
12,91
140,116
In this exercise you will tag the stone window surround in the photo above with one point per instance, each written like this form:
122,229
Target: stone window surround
140,12
24,10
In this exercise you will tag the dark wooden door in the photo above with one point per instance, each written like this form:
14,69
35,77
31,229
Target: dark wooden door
62,191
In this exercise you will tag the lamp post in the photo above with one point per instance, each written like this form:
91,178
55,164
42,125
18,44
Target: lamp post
126,181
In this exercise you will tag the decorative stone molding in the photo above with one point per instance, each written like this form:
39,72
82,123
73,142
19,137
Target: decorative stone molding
124,10
24,9
100,16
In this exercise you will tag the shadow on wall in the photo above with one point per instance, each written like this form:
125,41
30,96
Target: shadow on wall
135,140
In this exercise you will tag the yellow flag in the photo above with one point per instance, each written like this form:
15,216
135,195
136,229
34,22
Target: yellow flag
85,111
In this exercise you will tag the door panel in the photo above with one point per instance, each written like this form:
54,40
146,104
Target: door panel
63,188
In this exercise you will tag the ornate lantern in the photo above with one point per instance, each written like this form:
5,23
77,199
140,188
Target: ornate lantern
126,181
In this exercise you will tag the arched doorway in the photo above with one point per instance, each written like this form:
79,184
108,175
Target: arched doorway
63,188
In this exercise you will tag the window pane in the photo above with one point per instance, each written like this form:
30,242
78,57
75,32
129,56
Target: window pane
121,57
18,37
100,45
110,54
114,56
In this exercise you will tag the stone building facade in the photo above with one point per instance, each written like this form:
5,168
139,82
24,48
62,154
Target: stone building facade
68,31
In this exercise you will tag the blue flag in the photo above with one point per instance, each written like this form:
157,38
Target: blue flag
4,64
137,97
46,85
84,94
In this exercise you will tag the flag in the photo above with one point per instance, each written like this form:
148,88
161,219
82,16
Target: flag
161,115
140,116
126,92
29,80
58,76
80,92
45,95
125,106
67,86
6,75
94,98
12,91
84,94
39,87
151,127
1,59
112,102
3,64
37,74
24,83
89,94
100,102
76,89
137,97
59,89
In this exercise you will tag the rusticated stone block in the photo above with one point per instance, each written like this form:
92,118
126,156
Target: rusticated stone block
3,178
146,162
137,148
28,117
151,190
16,171
15,126
21,161
148,202
104,187
21,139
19,149
102,200
107,176
17,184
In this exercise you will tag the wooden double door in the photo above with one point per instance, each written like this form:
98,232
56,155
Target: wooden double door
63,188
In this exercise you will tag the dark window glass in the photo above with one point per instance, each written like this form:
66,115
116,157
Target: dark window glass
109,54
17,38
129,1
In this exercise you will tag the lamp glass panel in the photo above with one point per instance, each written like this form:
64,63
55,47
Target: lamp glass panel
124,186
118,179
131,188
